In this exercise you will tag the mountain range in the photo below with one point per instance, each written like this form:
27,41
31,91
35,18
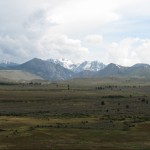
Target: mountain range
63,69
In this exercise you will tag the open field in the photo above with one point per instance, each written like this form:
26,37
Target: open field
99,114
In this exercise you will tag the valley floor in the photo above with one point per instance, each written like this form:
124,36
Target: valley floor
95,116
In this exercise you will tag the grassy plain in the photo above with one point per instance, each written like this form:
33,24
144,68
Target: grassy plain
94,114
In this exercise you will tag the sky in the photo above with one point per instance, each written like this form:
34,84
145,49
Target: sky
110,31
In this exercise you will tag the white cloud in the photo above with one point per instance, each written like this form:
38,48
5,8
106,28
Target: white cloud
129,51
60,45
134,8
94,39
39,40
47,46
48,28
84,15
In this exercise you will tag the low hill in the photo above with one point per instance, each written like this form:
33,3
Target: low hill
17,75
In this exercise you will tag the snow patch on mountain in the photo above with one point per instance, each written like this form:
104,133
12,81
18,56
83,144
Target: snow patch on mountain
91,66
86,65
5,63
68,64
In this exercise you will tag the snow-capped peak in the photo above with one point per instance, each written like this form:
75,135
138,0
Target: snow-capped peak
118,66
86,65
6,63
91,66
3,61
68,64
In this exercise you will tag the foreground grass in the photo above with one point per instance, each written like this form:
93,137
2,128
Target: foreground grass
26,133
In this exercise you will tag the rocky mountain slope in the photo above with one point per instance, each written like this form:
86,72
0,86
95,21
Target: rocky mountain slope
45,69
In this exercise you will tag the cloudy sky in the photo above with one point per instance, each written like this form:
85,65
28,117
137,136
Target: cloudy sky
115,31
